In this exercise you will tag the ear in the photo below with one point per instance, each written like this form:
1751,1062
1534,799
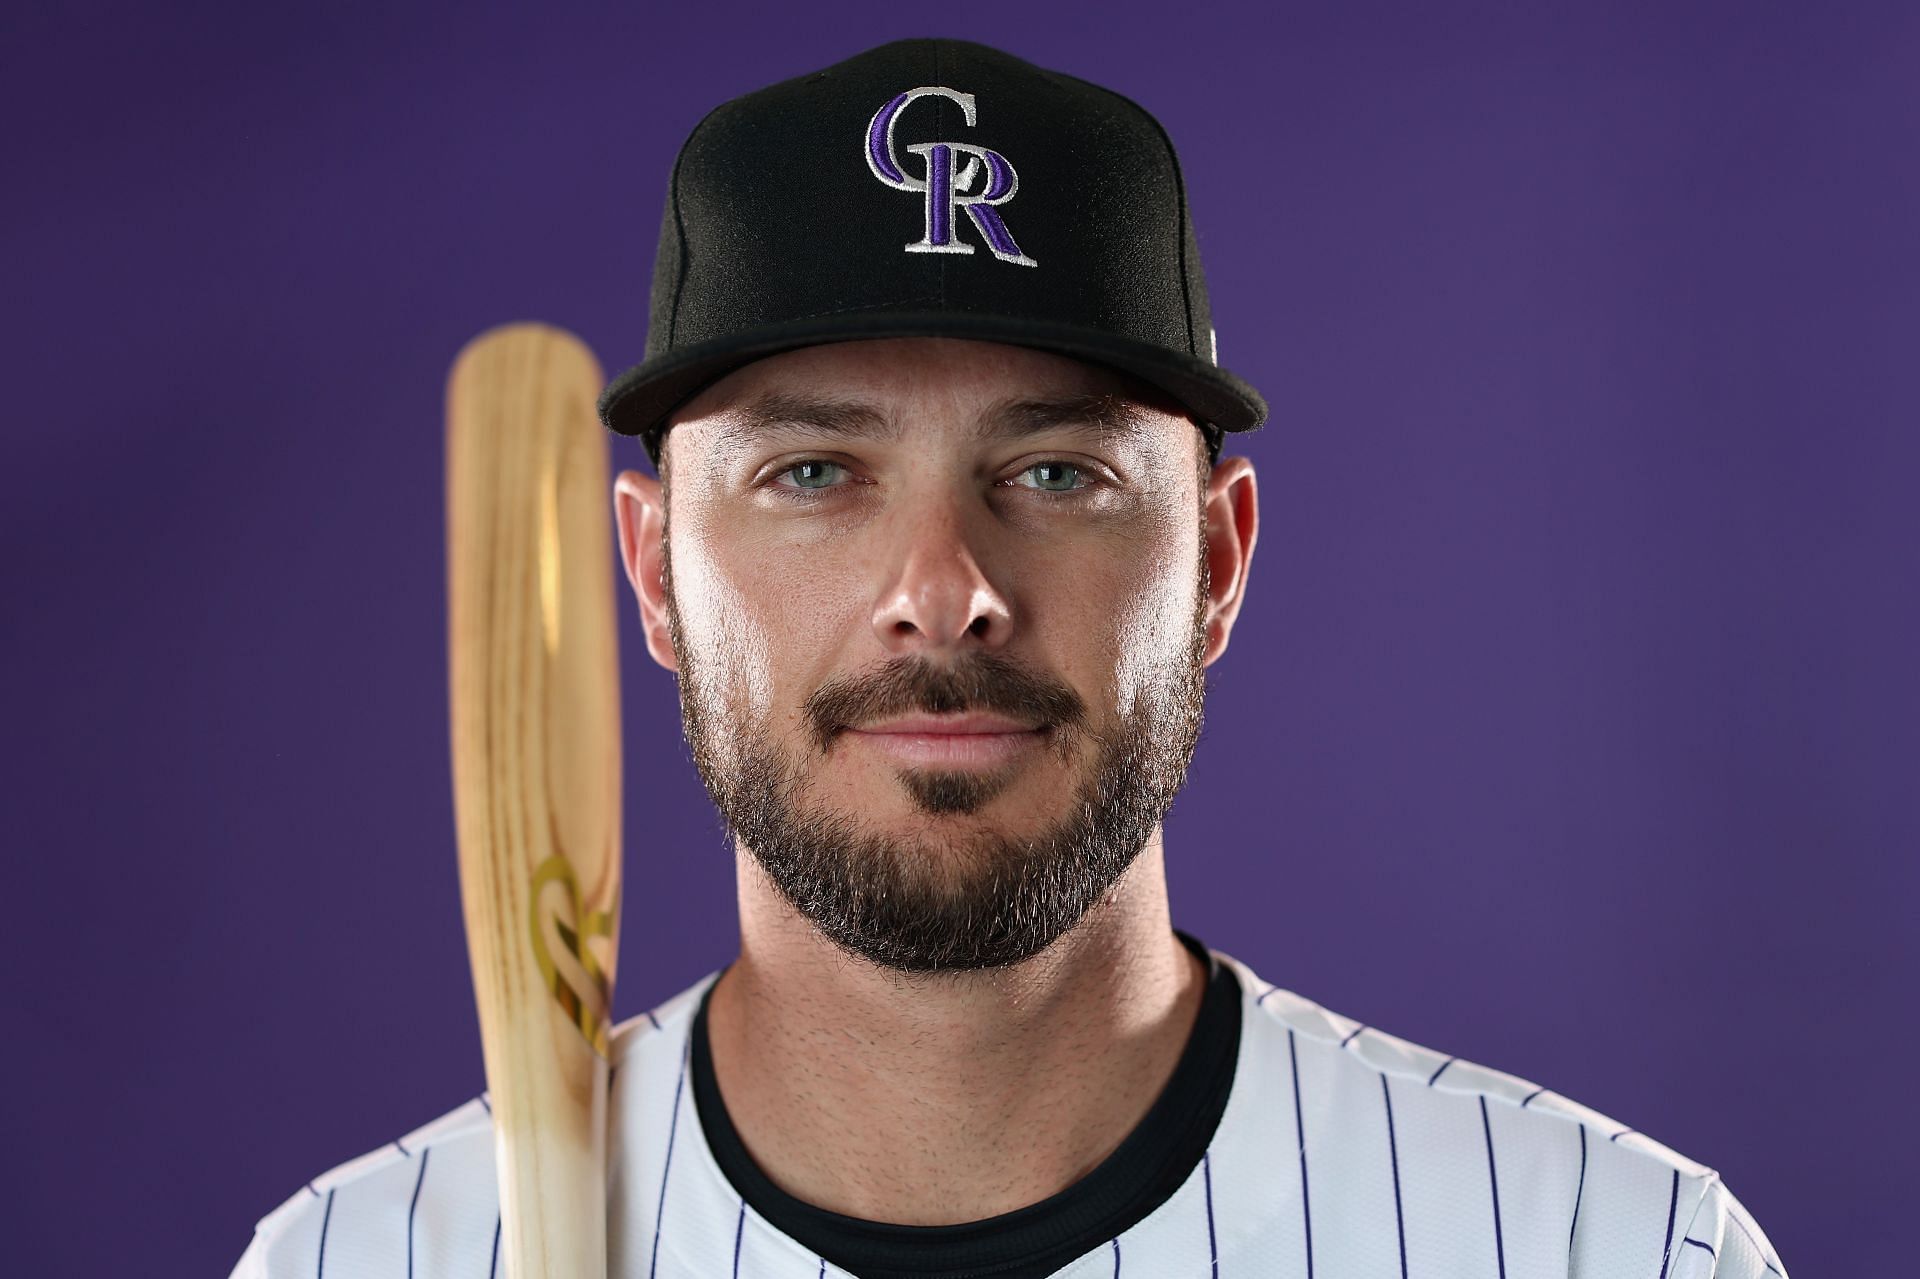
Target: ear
1233,525
640,515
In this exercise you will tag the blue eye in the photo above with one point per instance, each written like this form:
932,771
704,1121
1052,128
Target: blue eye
816,475
1059,470
813,467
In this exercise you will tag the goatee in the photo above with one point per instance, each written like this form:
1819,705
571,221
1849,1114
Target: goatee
943,899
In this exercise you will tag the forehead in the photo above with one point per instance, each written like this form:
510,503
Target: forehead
909,382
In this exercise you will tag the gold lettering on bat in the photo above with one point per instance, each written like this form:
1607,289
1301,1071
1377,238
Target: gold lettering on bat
564,941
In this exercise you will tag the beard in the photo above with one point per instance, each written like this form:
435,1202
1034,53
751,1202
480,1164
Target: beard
942,899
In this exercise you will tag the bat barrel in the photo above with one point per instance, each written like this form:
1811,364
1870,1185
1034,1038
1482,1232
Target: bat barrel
534,716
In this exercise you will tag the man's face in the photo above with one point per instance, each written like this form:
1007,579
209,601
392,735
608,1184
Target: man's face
866,533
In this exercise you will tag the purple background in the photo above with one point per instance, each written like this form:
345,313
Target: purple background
1569,727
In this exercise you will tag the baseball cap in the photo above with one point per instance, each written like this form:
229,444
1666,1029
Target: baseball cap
928,188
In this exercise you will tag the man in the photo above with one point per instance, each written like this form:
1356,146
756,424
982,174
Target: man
940,550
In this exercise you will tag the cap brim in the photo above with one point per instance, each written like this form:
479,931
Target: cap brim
639,400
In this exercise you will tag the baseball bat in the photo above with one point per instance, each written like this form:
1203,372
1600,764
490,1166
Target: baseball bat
534,710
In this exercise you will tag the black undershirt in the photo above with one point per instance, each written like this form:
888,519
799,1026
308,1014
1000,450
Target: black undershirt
1146,1168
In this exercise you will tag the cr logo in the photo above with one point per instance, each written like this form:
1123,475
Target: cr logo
946,190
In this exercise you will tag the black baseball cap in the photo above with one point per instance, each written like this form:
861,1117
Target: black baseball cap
928,188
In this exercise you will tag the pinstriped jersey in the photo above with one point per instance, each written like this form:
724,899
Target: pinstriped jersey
1343,1152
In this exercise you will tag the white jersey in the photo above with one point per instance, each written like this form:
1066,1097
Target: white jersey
1343,1152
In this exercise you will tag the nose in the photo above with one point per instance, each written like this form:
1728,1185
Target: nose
940,598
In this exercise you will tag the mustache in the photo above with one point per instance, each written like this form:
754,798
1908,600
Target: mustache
977,682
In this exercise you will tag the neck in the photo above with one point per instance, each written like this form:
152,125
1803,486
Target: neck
933,1099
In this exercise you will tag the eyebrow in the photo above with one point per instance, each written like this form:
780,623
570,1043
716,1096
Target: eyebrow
1105,417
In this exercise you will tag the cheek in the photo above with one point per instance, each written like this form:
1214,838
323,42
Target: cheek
731,641
1128,613
760,616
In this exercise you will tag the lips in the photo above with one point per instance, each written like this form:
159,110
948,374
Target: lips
943,725
951,741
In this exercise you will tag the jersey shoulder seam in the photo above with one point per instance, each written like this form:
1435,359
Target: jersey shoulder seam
1389,1055
637,1029
461,1122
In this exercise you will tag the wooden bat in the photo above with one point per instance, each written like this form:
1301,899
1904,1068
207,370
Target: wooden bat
534,696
